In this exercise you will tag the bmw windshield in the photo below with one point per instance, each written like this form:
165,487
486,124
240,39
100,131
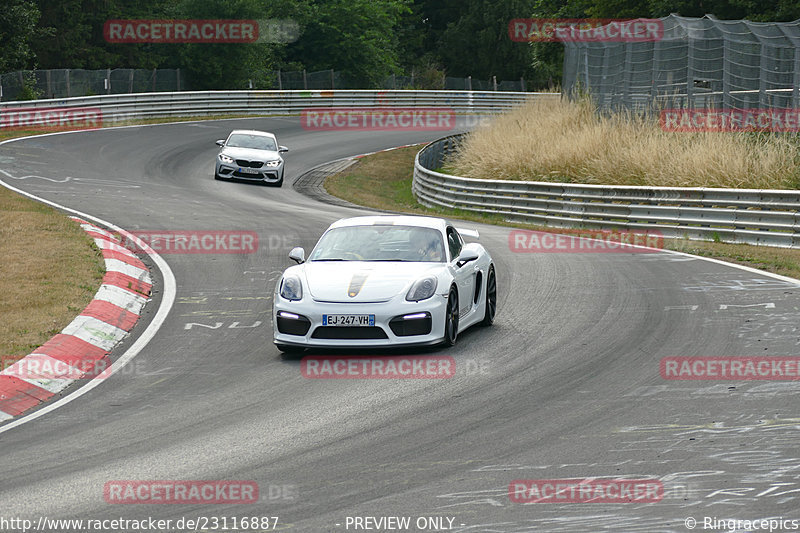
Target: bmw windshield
256,142
380,243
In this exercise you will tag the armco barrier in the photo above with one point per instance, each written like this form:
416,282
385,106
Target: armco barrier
123,107
752,216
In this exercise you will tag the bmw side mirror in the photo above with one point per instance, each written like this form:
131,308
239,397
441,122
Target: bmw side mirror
298,255
221,142
282,149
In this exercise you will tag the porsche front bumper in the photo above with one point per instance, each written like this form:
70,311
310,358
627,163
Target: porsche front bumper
397,323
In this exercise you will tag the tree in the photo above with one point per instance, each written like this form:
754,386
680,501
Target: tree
18,30
69,42
547,58
353,36
478,43
212,66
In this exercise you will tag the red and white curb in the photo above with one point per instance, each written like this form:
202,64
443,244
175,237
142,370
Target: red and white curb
81,350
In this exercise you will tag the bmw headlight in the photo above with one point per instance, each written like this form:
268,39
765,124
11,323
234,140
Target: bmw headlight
225,159
422,290
275,163
291,288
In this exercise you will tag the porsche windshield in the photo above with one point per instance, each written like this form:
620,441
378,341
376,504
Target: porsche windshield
380,243
257,142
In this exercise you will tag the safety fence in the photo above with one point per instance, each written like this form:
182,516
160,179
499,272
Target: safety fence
66,83
765,217
120,108
696,63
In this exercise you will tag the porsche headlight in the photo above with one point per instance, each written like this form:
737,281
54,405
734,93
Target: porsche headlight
225,159
422,290
291,288
275,163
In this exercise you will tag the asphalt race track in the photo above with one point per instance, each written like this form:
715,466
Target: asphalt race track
566,384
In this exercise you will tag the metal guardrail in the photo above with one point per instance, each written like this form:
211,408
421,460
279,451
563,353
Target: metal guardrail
752,216
122,107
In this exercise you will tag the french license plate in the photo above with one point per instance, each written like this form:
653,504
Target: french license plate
348,320
248,170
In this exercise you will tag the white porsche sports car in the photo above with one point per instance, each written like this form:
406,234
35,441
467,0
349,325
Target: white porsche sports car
384,281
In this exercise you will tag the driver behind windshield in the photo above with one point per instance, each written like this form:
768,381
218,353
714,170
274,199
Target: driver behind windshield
431,249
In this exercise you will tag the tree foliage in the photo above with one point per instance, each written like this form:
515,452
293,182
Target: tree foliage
477,42
19,28
365,40
213,66
354,36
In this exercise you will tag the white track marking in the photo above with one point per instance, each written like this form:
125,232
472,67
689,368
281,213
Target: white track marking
97,229
168,299
115,265
95,332
104,244
121,298
768,305
68,178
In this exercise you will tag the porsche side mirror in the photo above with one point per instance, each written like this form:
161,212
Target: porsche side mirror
221,142
298,255
466,256
282,149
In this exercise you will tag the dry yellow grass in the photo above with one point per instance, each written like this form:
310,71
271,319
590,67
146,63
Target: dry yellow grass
570,142
49,271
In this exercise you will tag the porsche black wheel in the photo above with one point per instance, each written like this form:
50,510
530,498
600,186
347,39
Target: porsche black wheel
491,298
451,318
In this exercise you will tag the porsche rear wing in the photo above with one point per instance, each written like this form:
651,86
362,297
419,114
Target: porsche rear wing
469,233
